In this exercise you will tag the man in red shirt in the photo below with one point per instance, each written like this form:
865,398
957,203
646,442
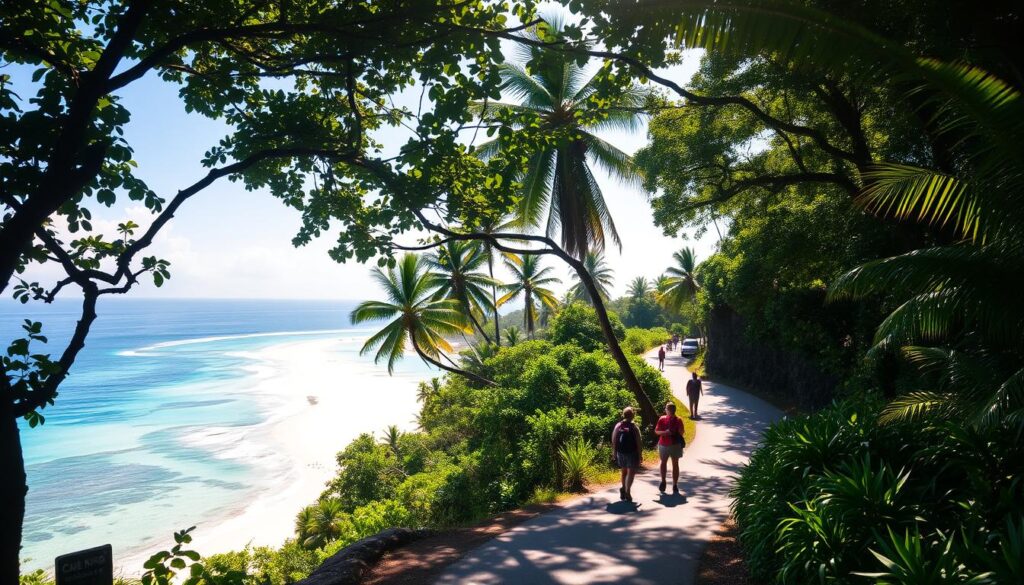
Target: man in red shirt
670,444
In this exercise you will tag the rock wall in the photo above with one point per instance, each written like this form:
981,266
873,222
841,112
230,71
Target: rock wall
762,366
349,565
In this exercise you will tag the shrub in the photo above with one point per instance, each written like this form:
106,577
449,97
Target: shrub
418,494
368,471
577,324
378,515
835,494
577,458
465,494
638,341
508,365
37,577
539,462
543,495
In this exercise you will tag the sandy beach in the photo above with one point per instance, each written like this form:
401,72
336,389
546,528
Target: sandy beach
317,404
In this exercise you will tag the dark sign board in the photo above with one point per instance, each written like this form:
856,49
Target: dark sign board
94,566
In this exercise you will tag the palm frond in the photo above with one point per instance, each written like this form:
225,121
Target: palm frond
536,190
523,86
490,110
907,192
616,163
488,149
915,406
918,271
373,311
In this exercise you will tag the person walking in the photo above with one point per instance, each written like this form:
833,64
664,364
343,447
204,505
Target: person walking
626,451
670,445
694,390
661,359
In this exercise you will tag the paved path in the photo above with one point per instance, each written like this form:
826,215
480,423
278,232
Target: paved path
658,539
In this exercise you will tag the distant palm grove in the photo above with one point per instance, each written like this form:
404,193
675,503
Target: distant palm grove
859,165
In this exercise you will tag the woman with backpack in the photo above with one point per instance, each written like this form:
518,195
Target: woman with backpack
626,451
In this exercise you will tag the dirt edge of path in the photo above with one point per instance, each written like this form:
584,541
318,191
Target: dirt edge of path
722,562
423,560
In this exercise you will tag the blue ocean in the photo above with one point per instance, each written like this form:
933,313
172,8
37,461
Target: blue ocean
176,413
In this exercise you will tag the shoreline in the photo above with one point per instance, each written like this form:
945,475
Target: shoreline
310,418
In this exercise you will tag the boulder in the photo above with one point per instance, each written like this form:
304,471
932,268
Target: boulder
348,565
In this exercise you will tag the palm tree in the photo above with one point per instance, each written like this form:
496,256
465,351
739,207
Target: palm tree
425,391
321,523
603,278
303,523
391,437
459,262
530,281
492,226
475,358
568,297
638,288
661,284
559,190
513,336
417,316
545,314
680,285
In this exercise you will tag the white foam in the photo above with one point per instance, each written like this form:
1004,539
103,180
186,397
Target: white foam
152,350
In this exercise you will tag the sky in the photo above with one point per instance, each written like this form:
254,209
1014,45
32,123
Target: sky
227,242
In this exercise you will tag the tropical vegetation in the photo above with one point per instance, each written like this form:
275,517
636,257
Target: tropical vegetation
860,164
479,450
460,264
420,315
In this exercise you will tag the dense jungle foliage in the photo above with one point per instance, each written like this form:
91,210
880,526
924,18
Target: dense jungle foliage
840,497
870,196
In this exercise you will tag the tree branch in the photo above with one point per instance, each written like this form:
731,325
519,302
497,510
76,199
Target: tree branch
703,100
41,396
773,182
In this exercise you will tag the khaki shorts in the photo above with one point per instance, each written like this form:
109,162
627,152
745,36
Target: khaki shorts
673,451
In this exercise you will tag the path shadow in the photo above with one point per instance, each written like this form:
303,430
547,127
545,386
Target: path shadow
622,507
552,552
671,500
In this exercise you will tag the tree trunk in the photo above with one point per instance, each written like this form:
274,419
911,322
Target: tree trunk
13,488
647,411
494,296
528,313
476,324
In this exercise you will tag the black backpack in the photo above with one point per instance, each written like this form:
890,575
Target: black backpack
626,439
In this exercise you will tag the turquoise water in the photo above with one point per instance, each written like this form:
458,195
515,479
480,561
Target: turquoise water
156,428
